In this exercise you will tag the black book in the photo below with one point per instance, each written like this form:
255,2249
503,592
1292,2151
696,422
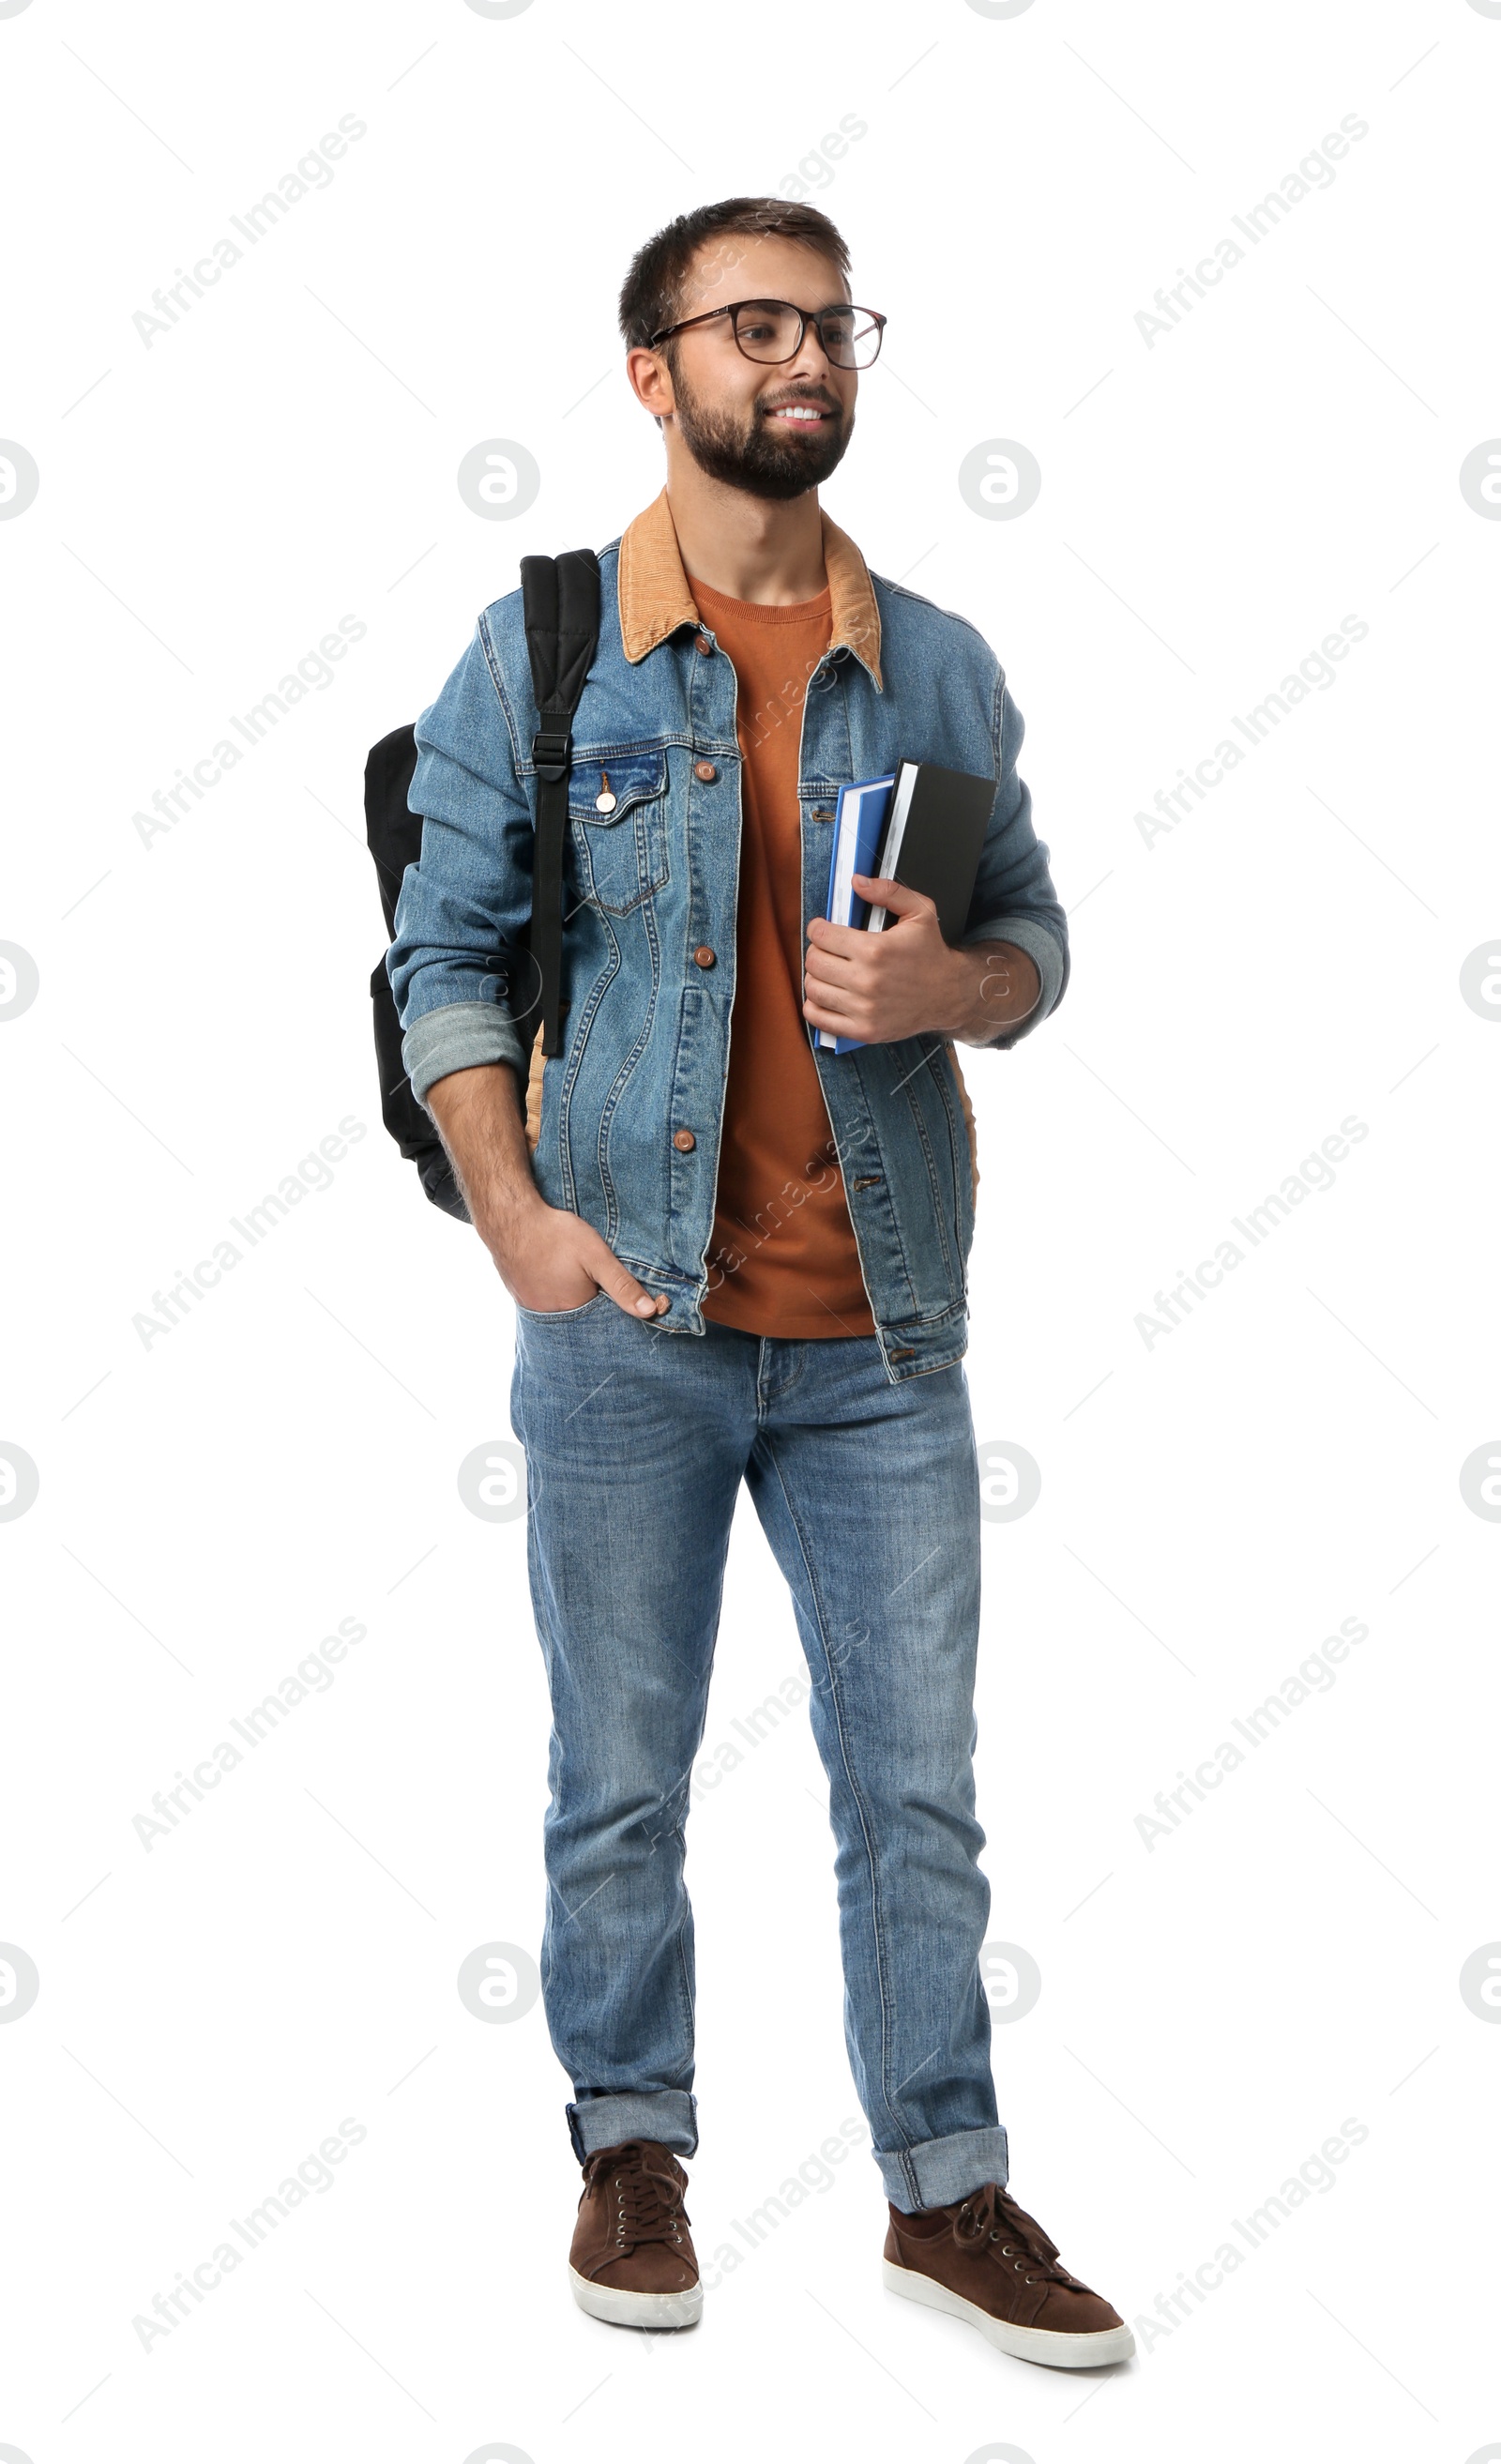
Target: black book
932,839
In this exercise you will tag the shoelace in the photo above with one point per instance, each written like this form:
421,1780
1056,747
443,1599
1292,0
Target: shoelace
991,2219
645,2201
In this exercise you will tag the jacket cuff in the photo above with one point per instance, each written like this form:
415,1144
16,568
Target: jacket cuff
1024,932
463,1035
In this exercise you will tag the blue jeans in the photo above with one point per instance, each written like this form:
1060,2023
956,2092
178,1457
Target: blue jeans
868,1493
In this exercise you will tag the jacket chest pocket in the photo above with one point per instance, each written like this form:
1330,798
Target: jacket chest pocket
618,809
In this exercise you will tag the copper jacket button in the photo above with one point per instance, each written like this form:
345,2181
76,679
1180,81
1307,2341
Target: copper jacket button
702,956
683,1140
705,771
703,643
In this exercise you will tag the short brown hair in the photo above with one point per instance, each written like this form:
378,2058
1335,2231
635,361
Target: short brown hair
652,292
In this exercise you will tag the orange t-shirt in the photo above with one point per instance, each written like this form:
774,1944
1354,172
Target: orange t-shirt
782,1259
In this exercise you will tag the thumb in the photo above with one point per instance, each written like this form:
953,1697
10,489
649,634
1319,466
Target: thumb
619,1283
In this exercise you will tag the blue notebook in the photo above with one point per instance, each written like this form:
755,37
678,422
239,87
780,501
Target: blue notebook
858,822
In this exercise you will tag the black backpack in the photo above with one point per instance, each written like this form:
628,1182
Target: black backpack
561,608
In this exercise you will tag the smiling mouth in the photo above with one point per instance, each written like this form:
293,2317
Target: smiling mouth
799,415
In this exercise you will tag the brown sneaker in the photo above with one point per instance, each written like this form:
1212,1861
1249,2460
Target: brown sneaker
632,2258
985,2260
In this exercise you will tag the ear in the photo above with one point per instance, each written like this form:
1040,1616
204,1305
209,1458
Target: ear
650,381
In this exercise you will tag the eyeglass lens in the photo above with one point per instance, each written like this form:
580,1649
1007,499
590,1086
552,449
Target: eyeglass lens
767,329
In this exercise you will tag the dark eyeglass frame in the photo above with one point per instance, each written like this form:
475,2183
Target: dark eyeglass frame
805,316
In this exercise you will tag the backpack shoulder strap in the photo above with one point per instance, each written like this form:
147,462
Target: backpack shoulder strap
560,609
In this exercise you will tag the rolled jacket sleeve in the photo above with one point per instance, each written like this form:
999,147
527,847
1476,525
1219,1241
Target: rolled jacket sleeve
460,971
1015,899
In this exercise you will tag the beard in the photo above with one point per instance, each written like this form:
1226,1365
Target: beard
752,452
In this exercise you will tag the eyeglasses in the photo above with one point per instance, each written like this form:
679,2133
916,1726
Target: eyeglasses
773,330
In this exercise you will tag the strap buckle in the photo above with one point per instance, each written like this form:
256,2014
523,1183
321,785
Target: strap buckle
552,754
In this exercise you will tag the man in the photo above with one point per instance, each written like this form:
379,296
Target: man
737,1256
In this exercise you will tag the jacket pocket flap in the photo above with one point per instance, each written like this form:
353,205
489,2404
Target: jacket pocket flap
603,792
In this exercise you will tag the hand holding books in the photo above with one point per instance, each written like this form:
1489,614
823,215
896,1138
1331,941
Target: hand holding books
921,825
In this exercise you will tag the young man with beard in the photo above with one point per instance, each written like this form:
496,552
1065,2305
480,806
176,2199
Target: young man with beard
735,1256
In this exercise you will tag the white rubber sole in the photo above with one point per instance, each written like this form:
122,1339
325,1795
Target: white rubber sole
1024,2344
621,2309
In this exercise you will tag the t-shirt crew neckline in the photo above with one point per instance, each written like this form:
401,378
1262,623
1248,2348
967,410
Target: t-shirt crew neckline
752,611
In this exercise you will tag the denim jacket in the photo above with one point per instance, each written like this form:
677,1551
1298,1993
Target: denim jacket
649,907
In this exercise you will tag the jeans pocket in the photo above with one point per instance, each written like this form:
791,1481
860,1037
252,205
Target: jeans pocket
550,1317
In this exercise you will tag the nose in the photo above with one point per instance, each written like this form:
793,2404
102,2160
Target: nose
810,361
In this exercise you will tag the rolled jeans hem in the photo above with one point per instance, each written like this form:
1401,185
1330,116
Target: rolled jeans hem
669,2115
938,2171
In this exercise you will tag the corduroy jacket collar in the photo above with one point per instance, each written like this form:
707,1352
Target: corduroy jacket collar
655,597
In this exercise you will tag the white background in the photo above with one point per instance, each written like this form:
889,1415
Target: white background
1214,2007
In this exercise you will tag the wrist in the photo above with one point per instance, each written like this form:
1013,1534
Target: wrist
506,1219
998,987
970,1014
